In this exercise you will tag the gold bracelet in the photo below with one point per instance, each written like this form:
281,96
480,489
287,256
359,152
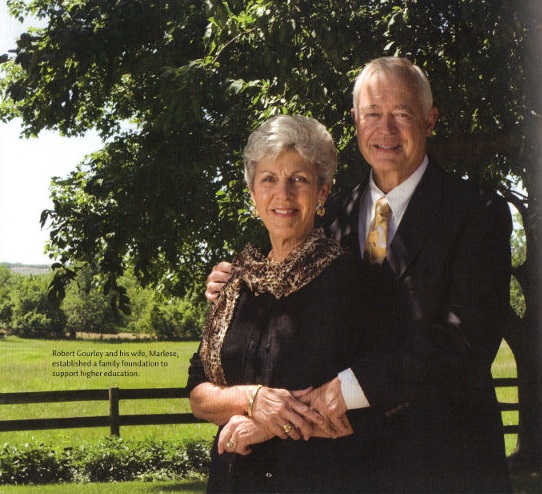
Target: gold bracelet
252,398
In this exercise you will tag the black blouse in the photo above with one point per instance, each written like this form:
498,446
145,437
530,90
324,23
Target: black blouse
301,340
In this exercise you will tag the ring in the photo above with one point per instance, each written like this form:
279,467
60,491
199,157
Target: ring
287,428
231,445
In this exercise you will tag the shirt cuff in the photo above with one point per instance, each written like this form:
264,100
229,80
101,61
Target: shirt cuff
353,395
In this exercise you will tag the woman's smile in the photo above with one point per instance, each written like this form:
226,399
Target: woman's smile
286,191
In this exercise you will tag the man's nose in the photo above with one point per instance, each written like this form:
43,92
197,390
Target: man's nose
388,123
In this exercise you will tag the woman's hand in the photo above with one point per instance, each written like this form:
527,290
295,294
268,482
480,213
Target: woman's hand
239,433
284,415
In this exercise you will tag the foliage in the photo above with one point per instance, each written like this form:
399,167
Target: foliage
174,88
6,306
32,464
32,313
27,311
174,318
110,460
87,309
519,247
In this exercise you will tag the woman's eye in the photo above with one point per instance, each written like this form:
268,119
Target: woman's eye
268,178
300,180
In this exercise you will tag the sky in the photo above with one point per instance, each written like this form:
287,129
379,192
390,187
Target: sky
26,169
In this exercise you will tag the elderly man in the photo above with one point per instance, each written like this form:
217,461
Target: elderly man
436,256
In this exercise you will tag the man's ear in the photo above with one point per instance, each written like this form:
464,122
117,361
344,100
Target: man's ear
431,121
353,115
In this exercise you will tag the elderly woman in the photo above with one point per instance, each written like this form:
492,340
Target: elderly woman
286,321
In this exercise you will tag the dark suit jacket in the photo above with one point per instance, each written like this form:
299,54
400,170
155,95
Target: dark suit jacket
434,314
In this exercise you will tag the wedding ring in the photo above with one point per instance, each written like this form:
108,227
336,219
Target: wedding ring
287,428
231,445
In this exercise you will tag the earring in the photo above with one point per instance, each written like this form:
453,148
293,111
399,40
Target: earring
320,209
254,212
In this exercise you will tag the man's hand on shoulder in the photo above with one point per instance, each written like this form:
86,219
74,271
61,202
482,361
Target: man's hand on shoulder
220,274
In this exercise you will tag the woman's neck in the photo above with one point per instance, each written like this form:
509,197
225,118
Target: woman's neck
281,250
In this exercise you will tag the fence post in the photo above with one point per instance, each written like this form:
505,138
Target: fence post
114,425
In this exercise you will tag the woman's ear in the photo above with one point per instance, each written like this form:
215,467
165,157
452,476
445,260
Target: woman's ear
323,192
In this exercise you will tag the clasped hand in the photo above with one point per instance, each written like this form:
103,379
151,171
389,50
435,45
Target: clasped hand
309,413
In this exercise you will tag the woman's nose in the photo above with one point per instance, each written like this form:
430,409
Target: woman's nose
285,188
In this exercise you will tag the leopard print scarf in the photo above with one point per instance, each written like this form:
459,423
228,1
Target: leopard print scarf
252,268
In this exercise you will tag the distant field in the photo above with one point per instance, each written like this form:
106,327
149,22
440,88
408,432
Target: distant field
27,365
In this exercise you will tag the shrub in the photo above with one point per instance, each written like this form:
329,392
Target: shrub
110,460
32,464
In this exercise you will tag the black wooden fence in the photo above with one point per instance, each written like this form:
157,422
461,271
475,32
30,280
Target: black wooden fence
115,420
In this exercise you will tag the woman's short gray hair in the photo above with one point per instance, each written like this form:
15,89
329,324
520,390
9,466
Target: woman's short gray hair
305,135
408,72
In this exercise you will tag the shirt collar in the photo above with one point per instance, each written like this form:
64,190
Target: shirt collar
399,197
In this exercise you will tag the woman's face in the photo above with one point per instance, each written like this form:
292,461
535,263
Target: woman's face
286,192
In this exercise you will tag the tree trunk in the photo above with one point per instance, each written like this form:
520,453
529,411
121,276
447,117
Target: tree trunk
525,338
527,455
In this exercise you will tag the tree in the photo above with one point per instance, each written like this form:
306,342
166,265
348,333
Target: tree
174,319
87,308
174,88
33,315
6,307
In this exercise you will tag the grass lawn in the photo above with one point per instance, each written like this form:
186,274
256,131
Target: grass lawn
185,486
27,365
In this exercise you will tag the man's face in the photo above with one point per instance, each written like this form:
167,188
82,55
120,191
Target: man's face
392,129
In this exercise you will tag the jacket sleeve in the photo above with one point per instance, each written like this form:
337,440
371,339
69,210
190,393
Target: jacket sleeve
196,372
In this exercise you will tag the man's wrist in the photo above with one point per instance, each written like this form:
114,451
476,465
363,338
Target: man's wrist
353,394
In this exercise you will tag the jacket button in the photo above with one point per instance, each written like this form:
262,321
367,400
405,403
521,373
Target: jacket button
268,475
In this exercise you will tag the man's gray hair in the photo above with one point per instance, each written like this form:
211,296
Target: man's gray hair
403,68
305,135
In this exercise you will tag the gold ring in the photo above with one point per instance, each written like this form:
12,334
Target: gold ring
287,428
231,445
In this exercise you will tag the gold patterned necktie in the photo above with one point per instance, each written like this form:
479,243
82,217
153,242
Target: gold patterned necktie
375,245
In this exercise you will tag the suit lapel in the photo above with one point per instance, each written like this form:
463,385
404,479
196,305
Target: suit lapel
346,227
417,223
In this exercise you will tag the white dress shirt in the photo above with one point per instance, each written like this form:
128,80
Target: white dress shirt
398,199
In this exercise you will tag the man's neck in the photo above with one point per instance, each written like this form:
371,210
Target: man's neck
386,182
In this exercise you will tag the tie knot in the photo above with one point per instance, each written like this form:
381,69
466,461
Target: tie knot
382,208
376,243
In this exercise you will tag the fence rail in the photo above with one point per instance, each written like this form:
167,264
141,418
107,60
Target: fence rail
115,420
